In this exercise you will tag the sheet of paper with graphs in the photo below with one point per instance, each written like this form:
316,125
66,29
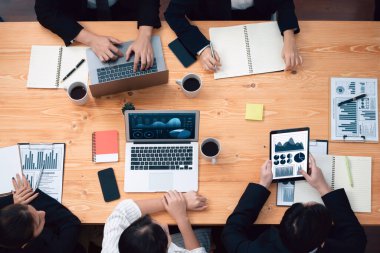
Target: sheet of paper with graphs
356,120
50,157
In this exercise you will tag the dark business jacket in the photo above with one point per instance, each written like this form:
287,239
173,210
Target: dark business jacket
61,230
194,40
347,234
61,16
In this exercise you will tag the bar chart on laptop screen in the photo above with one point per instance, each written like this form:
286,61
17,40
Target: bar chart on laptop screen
50,157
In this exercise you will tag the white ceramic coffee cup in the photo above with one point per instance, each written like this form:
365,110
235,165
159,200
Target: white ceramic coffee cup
194,93
82,100
207,157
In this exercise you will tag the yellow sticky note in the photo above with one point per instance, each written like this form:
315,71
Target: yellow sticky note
254,111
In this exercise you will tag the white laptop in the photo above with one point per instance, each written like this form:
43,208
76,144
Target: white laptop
161,152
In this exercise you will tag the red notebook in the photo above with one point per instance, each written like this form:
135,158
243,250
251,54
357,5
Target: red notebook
105,146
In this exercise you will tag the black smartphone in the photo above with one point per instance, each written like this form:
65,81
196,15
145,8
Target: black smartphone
108,184
183,55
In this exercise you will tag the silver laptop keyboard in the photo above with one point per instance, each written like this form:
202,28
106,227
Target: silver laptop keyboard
162,158
123,71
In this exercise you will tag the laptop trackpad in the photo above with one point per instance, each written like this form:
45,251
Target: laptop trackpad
160,181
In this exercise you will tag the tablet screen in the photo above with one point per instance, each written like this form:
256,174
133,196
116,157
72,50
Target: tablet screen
289,153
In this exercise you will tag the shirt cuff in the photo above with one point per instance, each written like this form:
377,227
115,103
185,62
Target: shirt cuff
200,51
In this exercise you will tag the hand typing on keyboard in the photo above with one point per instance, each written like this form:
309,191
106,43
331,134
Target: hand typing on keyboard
142,48
103,46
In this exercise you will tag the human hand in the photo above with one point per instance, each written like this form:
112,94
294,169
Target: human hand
23,193
266,175
290,51
103,46
208,62
175,204
316,178
142,48
195,201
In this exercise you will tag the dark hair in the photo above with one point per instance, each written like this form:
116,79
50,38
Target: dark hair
143,236
305,227
16,226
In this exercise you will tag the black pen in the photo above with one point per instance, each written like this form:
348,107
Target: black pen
352,99
72,71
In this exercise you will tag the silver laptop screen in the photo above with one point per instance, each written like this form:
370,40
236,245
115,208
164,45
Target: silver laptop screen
171,126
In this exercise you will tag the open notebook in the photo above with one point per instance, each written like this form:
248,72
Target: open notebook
335,173
248,49
50,64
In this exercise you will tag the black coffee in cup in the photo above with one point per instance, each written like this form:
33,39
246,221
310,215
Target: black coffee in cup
191,84
78,92
210,148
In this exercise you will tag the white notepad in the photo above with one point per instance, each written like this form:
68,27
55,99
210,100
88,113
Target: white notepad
50,64
335,173
248,49
10,165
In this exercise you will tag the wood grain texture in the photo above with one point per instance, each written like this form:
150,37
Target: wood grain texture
347,49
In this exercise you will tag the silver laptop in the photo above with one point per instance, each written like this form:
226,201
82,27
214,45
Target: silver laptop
118,76
161,152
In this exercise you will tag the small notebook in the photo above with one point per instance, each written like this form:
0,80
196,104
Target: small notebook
50,64
105,146
248,49
335,173
10,165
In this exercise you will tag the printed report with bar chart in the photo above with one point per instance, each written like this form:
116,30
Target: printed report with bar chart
50,158
356,120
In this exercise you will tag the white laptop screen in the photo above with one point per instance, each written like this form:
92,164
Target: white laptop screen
162,126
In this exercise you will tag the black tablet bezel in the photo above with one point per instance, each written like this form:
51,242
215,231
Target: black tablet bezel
308,150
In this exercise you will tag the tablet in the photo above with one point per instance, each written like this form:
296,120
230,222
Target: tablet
289,152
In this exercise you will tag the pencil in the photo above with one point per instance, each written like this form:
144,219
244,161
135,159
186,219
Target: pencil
349,172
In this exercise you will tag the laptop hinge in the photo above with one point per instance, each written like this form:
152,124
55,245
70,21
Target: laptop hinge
172,142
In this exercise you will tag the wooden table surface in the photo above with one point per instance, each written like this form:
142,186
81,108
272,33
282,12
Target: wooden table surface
346,49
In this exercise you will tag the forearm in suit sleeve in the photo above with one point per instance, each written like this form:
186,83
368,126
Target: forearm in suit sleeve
66,224
148,13
190,36
235,232
51,17
287,18
348,235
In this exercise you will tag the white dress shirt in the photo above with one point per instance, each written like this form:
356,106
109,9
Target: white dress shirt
241,4
92,3
124,214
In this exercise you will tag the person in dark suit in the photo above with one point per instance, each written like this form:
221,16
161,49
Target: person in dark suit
196,43
33,222
62,16
305,227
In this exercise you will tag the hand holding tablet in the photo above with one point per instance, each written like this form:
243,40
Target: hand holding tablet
289,152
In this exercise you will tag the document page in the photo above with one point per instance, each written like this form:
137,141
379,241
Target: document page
230,45
51,158
266,45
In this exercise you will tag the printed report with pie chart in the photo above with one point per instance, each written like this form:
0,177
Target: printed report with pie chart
289,153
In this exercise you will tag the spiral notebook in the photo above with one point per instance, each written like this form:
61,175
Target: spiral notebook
248,49
49,64
105,146
335,173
